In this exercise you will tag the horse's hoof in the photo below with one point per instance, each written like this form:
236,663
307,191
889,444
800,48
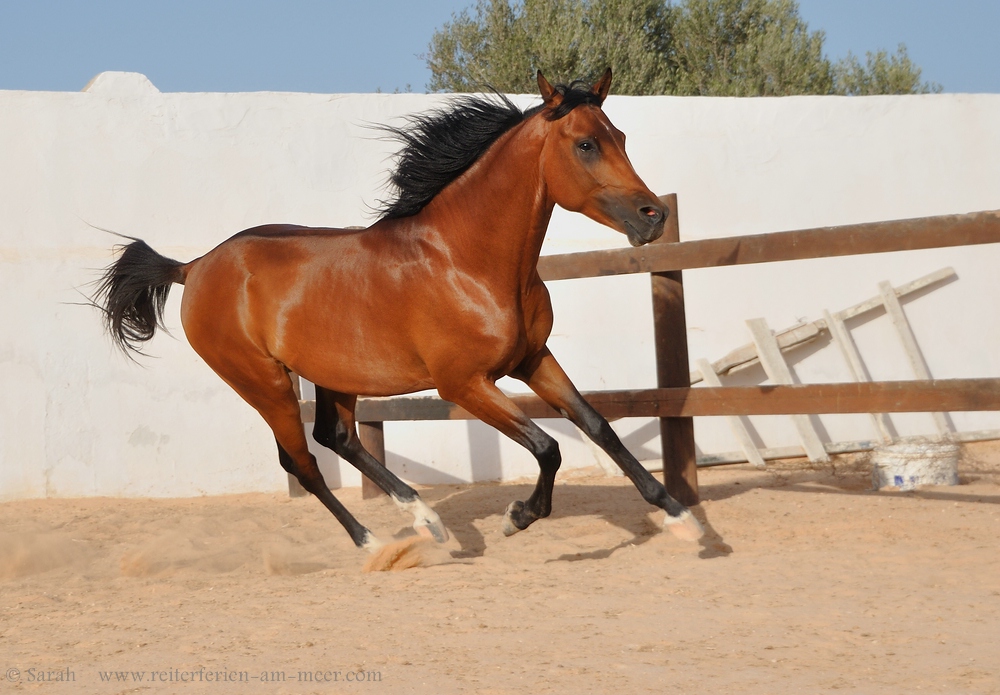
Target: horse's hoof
507,525
371,544
426,521
429,529
685,526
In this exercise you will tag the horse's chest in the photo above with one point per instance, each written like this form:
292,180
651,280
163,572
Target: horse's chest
526,325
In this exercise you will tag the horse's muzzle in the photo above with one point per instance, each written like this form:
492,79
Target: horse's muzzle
645,224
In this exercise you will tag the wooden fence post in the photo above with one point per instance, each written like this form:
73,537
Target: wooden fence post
295,488
372,436
680,472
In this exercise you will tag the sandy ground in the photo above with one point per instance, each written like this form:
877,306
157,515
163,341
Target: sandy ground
807,582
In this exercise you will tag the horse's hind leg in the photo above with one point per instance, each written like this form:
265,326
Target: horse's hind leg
266,385
335,429
362,537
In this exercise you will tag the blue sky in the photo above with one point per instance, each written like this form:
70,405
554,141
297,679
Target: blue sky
336,46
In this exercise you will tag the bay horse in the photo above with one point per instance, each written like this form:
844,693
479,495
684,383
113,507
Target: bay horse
441,292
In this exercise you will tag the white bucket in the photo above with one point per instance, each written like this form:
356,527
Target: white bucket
913,461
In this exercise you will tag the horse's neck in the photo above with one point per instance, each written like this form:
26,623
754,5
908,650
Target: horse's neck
496,214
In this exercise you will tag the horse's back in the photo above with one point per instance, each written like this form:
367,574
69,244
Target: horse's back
271,249
291,231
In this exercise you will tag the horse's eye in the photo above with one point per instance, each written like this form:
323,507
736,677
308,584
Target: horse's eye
587,146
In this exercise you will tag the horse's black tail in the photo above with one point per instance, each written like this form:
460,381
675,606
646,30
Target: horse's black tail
133,292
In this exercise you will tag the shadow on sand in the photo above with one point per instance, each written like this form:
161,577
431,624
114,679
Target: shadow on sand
462,506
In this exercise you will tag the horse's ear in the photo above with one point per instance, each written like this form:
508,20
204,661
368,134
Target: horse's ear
603,86
547,91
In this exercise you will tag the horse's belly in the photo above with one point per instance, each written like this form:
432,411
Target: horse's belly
370,373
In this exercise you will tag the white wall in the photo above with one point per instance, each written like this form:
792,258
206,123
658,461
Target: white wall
186,171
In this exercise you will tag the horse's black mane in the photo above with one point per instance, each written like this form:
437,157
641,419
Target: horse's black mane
438,146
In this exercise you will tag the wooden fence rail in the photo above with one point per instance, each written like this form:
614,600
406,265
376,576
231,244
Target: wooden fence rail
824,242
674,402
950,395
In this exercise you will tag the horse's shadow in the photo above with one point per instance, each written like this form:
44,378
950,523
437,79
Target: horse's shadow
461,507
621,506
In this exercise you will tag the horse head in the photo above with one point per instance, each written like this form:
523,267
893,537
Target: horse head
585,167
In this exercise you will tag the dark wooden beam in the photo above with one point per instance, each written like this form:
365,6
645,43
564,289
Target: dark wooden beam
946,395
847,240
372,436
295,488
680,466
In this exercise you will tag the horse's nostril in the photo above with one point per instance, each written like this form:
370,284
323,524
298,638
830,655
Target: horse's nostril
651,213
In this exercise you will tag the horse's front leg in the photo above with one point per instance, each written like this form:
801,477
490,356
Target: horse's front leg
482,398
546,378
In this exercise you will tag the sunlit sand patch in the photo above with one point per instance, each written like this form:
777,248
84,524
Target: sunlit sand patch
25,554
192,549
282,560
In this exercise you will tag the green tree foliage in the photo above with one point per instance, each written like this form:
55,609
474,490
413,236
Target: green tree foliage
748,48
881,74
501,45
695,47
